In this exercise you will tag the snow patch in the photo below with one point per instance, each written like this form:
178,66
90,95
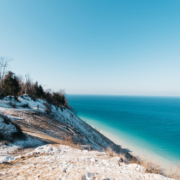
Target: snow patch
6,129
6,159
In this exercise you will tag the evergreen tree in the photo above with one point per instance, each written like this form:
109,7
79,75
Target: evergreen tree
11,84
58,99
38,90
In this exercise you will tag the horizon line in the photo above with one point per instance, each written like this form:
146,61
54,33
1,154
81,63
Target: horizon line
123,95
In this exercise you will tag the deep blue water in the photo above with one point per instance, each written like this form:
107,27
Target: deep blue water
155,121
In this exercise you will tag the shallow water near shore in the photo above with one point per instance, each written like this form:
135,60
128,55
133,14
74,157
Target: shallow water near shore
147,126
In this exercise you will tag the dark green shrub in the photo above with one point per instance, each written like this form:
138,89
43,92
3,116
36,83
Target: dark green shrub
39,92
11,84
58,99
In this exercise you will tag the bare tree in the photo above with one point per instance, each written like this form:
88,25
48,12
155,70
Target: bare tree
29,87
22,84
28,84
3,66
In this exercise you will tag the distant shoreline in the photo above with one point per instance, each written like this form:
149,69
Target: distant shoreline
134,149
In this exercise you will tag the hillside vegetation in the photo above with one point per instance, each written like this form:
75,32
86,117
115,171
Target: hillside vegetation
13,85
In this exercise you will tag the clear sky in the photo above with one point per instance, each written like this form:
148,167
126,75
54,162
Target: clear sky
114,47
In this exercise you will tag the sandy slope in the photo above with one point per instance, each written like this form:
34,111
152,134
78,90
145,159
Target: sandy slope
61,123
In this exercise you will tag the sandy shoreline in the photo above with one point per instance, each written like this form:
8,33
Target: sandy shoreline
134,149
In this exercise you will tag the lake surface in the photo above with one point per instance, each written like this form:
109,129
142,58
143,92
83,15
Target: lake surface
148,124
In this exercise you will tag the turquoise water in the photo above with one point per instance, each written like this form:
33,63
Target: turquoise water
152,123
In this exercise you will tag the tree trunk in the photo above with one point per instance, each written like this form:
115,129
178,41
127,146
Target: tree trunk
11,91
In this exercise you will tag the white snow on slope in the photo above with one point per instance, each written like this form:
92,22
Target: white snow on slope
63,115
6,149
23,100
6,159
66,163
6,129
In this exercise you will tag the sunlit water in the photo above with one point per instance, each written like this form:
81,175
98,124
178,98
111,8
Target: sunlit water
151,124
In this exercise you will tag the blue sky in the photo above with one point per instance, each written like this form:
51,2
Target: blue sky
120,47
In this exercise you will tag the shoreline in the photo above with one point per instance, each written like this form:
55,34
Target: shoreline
133,148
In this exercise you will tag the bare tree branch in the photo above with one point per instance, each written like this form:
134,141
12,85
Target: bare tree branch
4,63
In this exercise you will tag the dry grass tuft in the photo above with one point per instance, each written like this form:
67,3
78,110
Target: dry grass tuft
112,153
69,142
151,167
175,174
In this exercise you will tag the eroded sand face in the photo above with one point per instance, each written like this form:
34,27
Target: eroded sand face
63,162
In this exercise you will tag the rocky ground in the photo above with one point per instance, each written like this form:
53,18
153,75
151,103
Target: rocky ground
67,163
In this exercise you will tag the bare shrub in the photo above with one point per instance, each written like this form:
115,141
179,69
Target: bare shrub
48,108
176,173
69,142
33,97
149,166
26,105
58,99
13,105
16,99
4,63
21,84
113,153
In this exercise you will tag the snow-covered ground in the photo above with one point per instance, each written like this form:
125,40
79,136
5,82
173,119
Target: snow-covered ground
6,129
63,115
60,161
23,100
66,163
7,149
